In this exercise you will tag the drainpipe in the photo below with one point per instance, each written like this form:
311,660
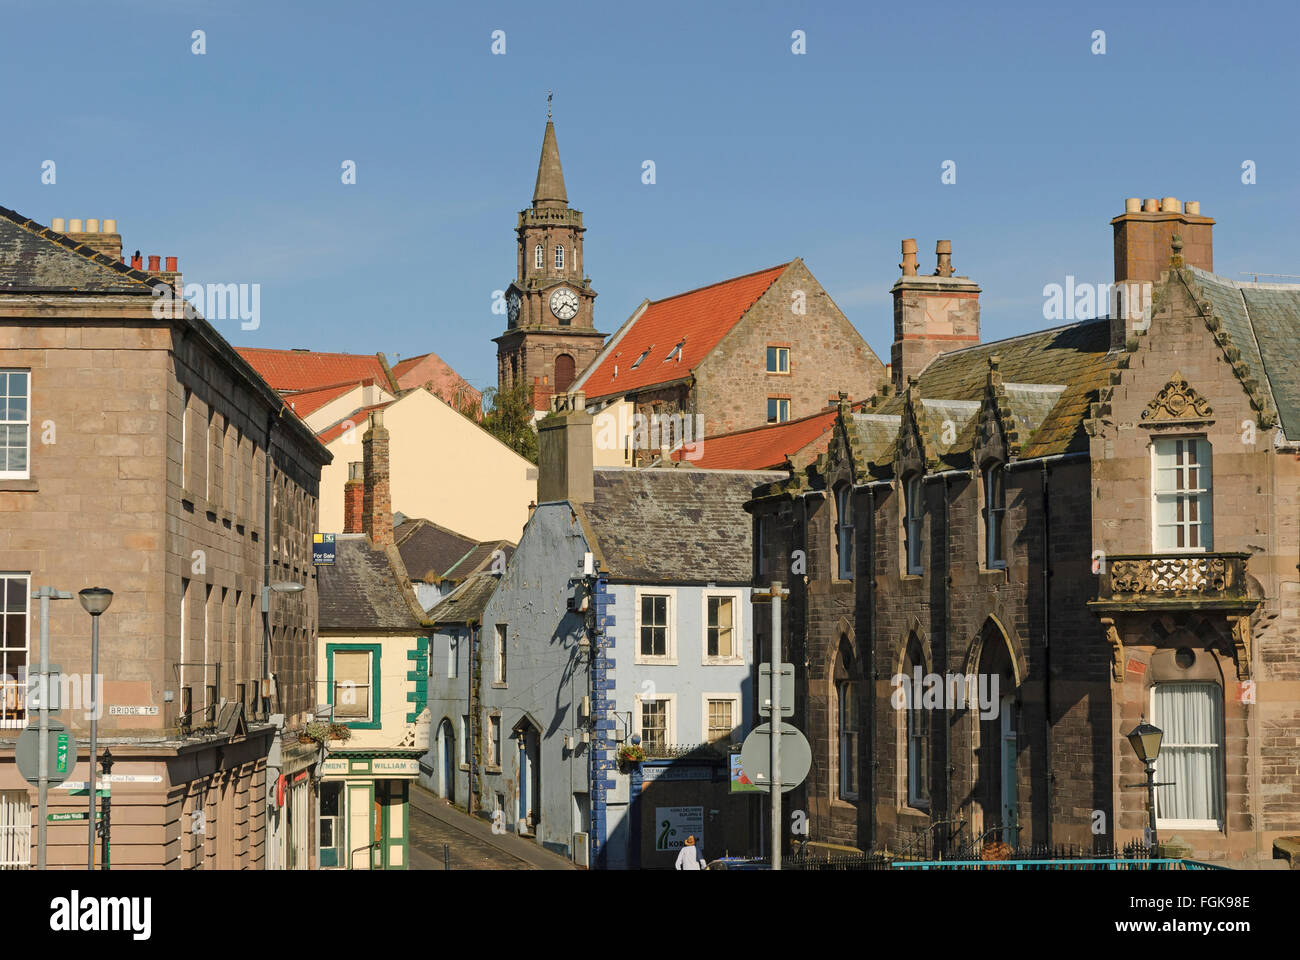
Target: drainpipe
871,663
1047,653
947,644
470,719
263,695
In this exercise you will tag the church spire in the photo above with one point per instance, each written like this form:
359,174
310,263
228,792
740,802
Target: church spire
550,178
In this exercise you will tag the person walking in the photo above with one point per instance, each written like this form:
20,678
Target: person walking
690,858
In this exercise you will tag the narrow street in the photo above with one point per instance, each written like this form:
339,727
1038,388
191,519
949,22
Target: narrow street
471,843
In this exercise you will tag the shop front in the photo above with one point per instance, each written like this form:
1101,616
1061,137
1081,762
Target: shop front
363,809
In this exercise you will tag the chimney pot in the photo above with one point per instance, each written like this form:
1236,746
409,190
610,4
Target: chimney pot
376,418
171,264
1132,205
92,226
1170,205
137,262
909,258
110,226
59,225
155,263
74,226
1192,207
1151,206
943,251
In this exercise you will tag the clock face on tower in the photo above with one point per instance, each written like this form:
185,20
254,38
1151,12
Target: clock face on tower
564,303
512,307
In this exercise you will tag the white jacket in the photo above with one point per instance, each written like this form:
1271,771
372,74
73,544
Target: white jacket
689,858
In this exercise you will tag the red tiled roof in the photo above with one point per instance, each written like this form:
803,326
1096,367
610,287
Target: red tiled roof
357,418
431,370
765,447
701,317
288,370
306,402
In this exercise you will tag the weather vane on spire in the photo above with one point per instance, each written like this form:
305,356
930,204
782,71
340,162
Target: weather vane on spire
548,104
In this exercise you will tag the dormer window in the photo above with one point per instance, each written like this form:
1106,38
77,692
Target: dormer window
559,257
538,257
912,515
995,508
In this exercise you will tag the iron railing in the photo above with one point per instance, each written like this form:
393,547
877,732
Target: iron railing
1173,579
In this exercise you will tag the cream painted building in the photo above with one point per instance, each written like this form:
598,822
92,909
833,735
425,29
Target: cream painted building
444,468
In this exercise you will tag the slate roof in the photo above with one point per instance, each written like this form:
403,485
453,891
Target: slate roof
674,524
33,260
433,553
362,591
1075,358
467,602
697,319
1262,321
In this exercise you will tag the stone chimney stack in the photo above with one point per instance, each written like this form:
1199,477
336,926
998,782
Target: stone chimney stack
103,237
1143,235
354,497
376,503
932,314
565,457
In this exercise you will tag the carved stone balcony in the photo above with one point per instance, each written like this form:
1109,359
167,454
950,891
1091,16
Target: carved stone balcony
1135,582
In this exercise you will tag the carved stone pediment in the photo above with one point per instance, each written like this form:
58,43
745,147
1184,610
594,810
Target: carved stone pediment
1177,401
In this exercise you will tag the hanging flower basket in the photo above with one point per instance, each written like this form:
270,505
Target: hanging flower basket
320,732
629,755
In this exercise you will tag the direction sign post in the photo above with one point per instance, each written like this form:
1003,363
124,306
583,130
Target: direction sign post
45,595
774,594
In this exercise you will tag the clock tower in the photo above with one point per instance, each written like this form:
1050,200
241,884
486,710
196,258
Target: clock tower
551,333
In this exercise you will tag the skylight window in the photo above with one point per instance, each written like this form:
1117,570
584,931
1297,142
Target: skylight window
637,362
676,351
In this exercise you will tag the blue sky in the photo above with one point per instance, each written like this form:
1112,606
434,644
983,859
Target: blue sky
231,160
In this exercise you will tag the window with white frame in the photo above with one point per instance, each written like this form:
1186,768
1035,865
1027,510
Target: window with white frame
656,640
1184,499
15,424
559,256
352,684
778,409
453,654
847,723
844,529
721,717
655,721
778,359
501,641
539,257
722,641
15,830
912,514
995,508
464,735
1191,755
14,633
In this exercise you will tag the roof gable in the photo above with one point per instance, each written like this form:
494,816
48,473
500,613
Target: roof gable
762,448
299,370
36,259
697,320
362,590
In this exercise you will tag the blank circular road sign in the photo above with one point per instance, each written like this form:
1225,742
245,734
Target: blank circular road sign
756,757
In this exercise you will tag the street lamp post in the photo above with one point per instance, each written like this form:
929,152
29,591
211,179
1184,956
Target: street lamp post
95,600
1145,740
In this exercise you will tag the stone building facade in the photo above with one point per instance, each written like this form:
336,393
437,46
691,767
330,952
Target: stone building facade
767,347
144,455
1095,525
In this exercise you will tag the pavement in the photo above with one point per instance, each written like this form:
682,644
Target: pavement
471,844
